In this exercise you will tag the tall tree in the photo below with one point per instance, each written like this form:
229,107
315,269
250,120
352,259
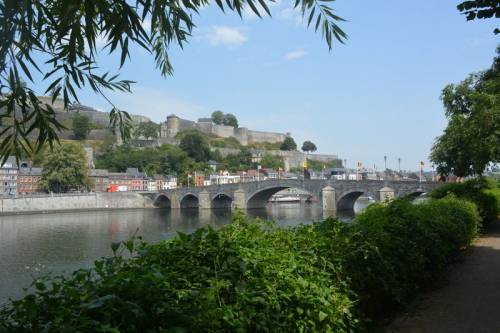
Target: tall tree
288,144
471,140
65,169
66,33
308,146
196,146
218,117
81,126
230,120
148,130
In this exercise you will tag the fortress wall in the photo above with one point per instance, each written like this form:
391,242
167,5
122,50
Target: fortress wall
257,136
223,131
205,127
242,135
186,124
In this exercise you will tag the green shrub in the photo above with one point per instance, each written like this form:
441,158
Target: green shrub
483,192
243,278
391,251
255,277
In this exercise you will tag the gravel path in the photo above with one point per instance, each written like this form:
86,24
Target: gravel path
471,300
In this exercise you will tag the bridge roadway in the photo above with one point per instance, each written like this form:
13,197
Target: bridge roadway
333,194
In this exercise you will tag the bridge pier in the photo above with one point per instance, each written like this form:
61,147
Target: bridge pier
204,200
329,202
239,199
386,193
175,203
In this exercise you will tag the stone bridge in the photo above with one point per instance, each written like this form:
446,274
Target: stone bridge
333,194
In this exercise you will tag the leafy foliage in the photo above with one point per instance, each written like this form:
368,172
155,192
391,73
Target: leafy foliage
65,33
471,140
195,145
272,162
148,130
218,117
230,120
255,277
81,126
166,159
65,168
480,9
484,193
309,146
288,144
237,162
320,166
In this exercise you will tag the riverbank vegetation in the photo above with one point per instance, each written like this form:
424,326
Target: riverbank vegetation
252,276
483,192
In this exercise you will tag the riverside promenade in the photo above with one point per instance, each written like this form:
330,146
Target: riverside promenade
470,302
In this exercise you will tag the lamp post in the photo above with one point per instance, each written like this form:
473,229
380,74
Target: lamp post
421,169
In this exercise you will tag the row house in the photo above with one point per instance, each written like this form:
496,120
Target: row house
224,177
169,183
100,177
8,177
28,180
120,179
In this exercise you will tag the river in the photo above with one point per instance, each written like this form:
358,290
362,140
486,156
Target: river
34,245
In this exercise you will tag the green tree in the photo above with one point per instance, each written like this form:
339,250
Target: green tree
288,144
81,126
65,169
196,146
308,146
230,120
471,141
149,130
272,162
218,117
237,162
65,32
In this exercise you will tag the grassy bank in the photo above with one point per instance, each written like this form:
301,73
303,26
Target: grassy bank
249,277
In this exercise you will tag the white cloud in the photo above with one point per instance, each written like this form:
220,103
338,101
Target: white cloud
291,14
296,54
222,35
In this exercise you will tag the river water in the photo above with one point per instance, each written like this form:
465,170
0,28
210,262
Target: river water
34,245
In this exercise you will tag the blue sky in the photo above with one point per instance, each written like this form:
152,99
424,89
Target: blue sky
376,95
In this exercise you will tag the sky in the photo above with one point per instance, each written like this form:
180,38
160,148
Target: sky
378,94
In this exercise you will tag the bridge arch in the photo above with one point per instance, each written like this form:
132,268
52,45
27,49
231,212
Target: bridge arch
162,201
221,200
260,197
347,199
414,194
190,200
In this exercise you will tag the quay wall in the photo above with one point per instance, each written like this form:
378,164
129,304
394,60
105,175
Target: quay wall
71,202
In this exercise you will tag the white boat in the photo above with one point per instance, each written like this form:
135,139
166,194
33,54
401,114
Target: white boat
285,198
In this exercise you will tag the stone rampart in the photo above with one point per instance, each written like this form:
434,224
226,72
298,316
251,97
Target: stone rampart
70,202
174,125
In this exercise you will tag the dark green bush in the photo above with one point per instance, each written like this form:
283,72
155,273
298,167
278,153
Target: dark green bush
242,278
391,251
255,277
483,192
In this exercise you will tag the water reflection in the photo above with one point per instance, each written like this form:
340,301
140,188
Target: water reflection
32,245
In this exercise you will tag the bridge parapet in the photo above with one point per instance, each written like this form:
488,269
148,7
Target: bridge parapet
256,194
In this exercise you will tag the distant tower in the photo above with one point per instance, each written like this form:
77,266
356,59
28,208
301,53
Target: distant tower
172,126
